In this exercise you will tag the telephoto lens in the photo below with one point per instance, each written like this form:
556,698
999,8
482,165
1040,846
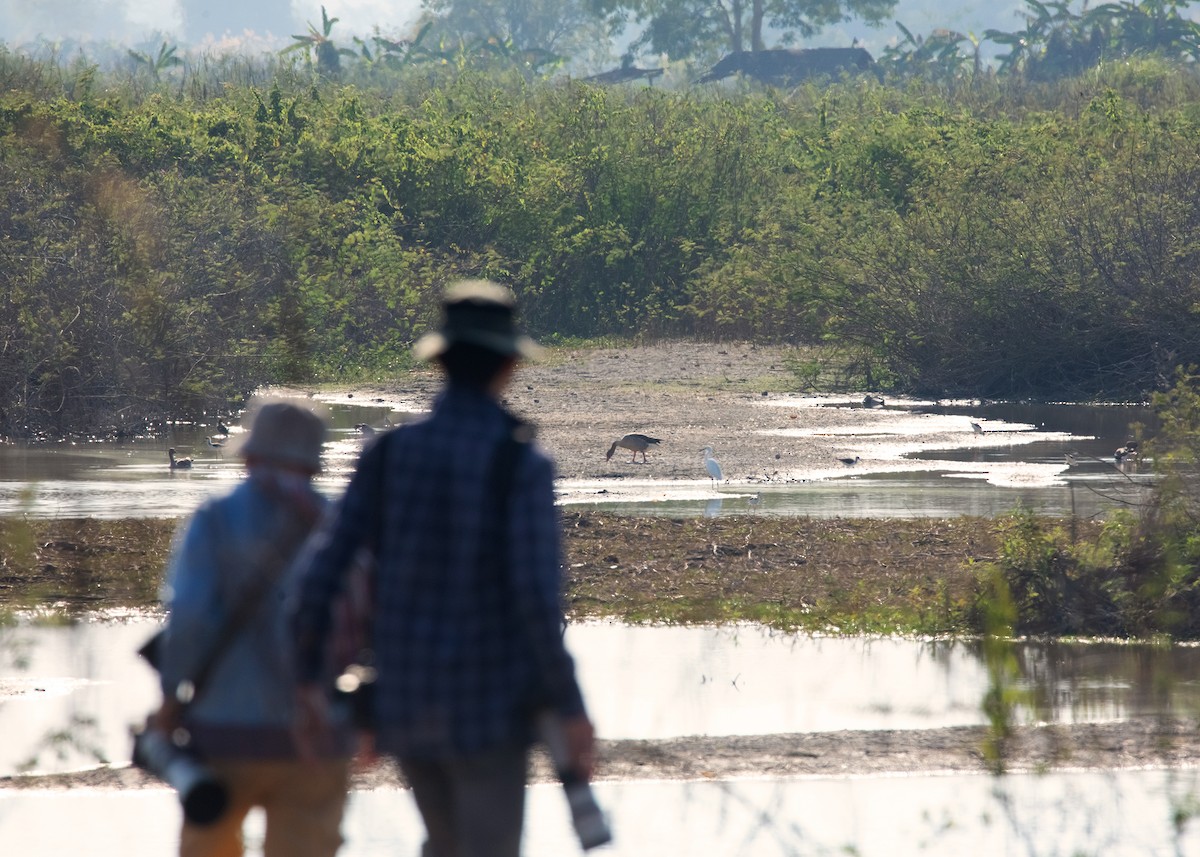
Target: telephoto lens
588,819
203,796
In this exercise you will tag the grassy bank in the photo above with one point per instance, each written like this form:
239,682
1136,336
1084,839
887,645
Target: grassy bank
849,575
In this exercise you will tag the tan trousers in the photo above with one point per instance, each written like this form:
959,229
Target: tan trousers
303,801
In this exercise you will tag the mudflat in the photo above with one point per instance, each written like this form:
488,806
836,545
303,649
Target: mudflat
692,395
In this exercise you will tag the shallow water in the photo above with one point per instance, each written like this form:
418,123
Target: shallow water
641,683
1121,814
1018,459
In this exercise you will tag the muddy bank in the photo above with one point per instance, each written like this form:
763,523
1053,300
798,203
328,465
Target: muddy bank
1109,746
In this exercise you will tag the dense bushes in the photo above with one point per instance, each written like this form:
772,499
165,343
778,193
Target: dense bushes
1141,577
168,247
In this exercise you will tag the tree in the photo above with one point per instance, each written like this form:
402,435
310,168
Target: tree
567,28
705,28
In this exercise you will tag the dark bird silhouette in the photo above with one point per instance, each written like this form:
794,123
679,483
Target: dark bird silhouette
635,443
976,427
870,401
216,441
178,463
365,430
850,462
222,429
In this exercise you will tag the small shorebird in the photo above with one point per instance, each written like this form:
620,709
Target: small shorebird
710,464
635,443
178,463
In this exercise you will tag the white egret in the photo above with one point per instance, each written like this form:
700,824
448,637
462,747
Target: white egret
635,443
711,465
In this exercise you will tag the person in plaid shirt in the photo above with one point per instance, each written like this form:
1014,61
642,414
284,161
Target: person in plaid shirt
466,625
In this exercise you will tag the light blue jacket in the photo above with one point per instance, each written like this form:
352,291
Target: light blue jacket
245,709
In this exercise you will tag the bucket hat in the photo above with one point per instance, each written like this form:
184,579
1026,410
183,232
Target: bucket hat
478,312
285,433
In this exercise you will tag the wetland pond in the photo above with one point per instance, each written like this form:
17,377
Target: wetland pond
923,461
650,683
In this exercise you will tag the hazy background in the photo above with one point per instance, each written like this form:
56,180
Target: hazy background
269,24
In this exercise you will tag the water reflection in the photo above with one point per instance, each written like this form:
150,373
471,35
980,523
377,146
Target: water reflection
642,683
1118,814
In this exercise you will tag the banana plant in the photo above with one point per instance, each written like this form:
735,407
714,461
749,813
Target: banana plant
319,43
157,64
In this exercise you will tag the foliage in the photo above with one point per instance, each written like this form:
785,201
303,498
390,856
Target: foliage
705,29
1141,577
528,34
170,246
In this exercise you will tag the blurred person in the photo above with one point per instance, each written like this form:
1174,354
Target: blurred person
234,555
467,624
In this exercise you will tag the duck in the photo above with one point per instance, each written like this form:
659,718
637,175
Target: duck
178,463
850,462
635,443
1126,452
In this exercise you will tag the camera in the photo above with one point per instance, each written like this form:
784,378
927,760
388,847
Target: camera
203,796
586,816
354,691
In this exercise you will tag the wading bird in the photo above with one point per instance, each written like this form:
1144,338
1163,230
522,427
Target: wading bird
711,465
216,441
1127,452
635,443
178,463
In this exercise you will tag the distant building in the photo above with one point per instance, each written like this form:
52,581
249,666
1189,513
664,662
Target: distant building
216,17
789,67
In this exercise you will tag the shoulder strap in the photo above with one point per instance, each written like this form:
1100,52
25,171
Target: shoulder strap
501,475
271,561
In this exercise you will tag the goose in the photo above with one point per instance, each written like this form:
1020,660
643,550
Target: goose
178,463
711,465
635,443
